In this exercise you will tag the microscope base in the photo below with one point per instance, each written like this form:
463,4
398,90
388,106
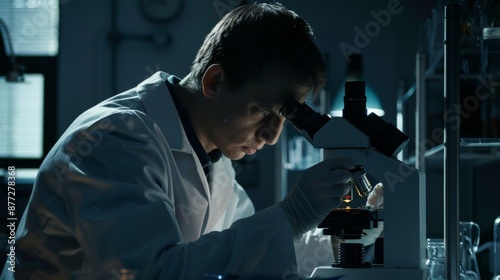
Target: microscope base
374,273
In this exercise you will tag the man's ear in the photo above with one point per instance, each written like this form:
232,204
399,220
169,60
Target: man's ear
210,81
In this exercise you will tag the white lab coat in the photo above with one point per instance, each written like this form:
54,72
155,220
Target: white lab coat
123,188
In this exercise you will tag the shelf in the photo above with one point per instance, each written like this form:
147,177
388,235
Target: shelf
462,77
428,72
484,149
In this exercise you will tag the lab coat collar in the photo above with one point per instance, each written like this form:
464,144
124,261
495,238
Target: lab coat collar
160,107
203,156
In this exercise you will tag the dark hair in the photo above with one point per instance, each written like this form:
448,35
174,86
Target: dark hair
251,36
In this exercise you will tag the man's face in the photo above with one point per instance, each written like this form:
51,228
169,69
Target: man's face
246,119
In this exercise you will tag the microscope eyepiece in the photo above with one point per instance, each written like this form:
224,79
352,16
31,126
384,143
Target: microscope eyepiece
304,118
354,102
384,136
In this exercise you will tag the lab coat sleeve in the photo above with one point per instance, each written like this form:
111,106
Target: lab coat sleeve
122,215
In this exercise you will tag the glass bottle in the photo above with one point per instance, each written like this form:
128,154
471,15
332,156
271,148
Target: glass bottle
436,261
469,244
496,248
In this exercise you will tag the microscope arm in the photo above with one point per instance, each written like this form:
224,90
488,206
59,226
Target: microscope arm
404,191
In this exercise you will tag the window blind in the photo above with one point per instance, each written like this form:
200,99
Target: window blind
21,117
33,26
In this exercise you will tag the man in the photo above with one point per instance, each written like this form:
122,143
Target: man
142,182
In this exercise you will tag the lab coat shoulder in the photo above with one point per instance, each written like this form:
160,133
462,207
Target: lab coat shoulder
104,142
112,158
101,200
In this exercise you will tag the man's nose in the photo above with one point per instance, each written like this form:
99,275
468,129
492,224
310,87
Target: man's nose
271,131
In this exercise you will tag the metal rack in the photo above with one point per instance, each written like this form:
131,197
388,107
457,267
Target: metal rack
453,148
451,142
450,147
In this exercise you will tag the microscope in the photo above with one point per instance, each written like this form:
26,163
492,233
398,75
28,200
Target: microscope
374,145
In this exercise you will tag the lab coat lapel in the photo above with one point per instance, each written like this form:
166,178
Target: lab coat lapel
161,108
191,192
221,191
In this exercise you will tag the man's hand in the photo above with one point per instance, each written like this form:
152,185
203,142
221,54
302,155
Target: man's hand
317,191
376,197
